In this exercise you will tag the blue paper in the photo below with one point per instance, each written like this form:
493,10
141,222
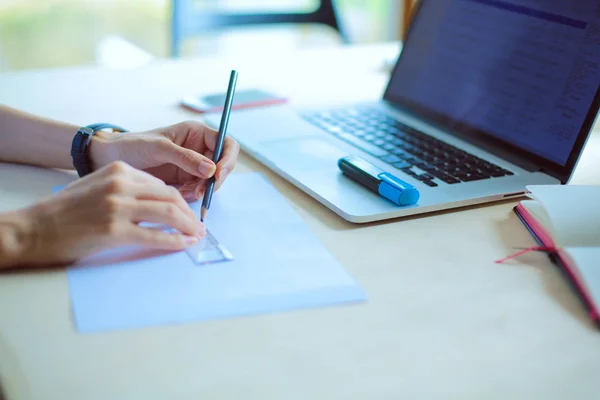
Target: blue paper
278,265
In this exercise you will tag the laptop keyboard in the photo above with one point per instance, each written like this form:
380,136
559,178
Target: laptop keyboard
415,153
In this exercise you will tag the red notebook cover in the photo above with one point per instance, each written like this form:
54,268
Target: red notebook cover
561,259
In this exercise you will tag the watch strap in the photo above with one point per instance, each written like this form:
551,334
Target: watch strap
81,143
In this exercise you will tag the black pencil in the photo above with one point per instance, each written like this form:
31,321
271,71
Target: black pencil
220,141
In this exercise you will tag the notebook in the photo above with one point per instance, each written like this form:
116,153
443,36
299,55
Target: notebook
565,221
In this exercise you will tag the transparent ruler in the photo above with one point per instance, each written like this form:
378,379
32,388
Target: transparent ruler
208,251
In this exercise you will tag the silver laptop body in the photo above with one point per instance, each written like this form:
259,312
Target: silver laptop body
475,110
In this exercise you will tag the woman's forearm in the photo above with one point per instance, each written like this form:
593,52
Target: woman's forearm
13,238
28,139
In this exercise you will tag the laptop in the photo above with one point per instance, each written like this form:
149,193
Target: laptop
486,97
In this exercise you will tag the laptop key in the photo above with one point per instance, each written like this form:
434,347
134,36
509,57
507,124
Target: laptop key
425,167
441,175
417,153
391,159
400,153
469,177
427,180
404,145
409,171
365,146
450,180
411,159
401,165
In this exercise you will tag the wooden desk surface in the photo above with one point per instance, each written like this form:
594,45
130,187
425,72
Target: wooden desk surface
442,318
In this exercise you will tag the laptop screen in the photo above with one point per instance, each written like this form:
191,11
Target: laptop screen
522,71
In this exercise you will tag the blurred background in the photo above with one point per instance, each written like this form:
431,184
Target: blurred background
128,33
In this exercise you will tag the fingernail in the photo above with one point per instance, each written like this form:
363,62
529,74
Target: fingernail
190,240
201,231
207,168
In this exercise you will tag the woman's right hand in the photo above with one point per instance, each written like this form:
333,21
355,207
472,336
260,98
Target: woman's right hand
103,211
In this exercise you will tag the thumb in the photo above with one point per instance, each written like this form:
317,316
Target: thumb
188,160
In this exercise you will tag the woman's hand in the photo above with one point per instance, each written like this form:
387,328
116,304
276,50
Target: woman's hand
179,155
99,212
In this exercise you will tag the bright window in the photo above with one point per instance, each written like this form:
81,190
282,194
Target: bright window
55,33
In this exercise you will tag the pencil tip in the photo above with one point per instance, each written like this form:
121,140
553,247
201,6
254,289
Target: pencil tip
203,214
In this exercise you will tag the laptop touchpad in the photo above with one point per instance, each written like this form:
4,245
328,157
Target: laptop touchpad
303,153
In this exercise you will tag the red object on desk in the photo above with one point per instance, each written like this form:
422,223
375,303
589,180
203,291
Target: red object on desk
559,257
253,104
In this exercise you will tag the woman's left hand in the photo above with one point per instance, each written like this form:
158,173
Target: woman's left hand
179,154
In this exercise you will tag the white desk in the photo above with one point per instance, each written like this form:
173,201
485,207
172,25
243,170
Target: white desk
442,318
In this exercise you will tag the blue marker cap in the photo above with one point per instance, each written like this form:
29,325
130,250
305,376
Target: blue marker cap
397,190
379,181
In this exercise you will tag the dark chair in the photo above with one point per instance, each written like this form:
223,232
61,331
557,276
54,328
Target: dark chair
189,20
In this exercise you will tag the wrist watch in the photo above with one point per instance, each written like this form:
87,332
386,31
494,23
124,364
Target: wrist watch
81,144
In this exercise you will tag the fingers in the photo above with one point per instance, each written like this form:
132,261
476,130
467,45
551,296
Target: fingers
209,135
185,143
168,206
166,213
231,150
167,194
118,170
103,210
157,239
188,160
119,179
227,163
193,190
127,181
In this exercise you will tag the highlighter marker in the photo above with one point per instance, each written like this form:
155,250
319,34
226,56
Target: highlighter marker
379,181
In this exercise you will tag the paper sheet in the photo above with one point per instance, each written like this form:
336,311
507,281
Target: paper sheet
573,211
586,261
278,265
